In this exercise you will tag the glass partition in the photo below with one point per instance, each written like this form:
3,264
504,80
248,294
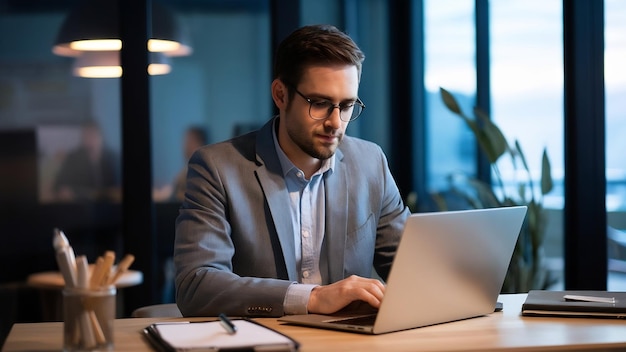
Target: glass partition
615,85
60,155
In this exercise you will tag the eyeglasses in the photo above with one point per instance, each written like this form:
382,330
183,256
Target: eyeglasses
320,109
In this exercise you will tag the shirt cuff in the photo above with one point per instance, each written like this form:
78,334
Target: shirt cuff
297,298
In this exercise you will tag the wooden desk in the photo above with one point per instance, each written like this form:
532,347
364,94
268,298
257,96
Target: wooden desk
498,331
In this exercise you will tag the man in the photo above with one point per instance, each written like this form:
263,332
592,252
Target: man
195,137
89,172
291,218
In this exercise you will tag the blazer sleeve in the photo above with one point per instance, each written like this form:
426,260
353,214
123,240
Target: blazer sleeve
391,222
203,251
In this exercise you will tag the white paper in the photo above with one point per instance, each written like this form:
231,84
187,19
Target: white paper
213,335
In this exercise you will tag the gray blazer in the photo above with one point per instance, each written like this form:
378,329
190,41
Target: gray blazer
234,248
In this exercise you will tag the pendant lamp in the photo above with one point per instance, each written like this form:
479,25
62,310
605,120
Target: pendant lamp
106,64
90,33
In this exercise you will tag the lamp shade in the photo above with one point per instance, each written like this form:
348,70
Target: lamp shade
106,64
94,26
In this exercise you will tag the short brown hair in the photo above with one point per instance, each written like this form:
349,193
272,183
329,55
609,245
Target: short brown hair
314,45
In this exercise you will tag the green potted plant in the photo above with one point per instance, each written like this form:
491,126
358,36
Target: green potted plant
527,269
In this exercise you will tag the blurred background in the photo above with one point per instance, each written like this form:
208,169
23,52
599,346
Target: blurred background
69,144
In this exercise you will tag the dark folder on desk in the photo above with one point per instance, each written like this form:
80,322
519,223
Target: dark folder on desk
554,303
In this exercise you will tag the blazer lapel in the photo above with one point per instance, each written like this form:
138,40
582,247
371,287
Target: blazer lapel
278,202
336,221
270,177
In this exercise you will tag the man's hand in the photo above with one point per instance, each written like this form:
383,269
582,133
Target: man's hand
331,298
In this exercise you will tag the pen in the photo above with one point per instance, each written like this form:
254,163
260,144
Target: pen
583,298
227,324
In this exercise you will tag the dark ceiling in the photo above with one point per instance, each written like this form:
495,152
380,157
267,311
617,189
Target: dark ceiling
42,6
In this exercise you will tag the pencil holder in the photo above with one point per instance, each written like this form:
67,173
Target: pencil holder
88,317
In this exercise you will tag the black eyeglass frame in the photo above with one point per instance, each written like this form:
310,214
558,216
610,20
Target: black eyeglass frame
332,107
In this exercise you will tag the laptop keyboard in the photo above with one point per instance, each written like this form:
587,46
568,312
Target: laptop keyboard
367,320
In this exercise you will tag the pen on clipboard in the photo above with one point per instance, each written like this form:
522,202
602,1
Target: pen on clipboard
227,324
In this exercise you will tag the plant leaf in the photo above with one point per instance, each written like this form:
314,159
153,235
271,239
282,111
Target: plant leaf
495,144
453,106
546,175
521,190
484,193
440,200
450,102
518,147
489,137
535,223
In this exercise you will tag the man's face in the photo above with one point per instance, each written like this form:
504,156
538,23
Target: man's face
302,137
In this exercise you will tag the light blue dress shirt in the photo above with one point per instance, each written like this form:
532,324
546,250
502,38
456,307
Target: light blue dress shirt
307,212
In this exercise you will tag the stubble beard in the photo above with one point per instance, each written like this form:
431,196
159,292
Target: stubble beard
307,144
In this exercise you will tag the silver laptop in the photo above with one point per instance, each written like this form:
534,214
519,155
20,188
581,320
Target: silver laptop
449,266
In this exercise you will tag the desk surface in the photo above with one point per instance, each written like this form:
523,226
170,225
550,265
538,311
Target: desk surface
497,331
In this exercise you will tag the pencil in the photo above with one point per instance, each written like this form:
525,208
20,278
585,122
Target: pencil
109,259
87,327
82,272
97,274
65,266
122,267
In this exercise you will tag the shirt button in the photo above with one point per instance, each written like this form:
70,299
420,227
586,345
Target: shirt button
305,274
305,234
299,174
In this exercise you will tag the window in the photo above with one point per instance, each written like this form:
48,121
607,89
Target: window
527,100
450,64
615,110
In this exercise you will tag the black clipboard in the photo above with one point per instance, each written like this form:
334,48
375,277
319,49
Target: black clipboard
211,336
